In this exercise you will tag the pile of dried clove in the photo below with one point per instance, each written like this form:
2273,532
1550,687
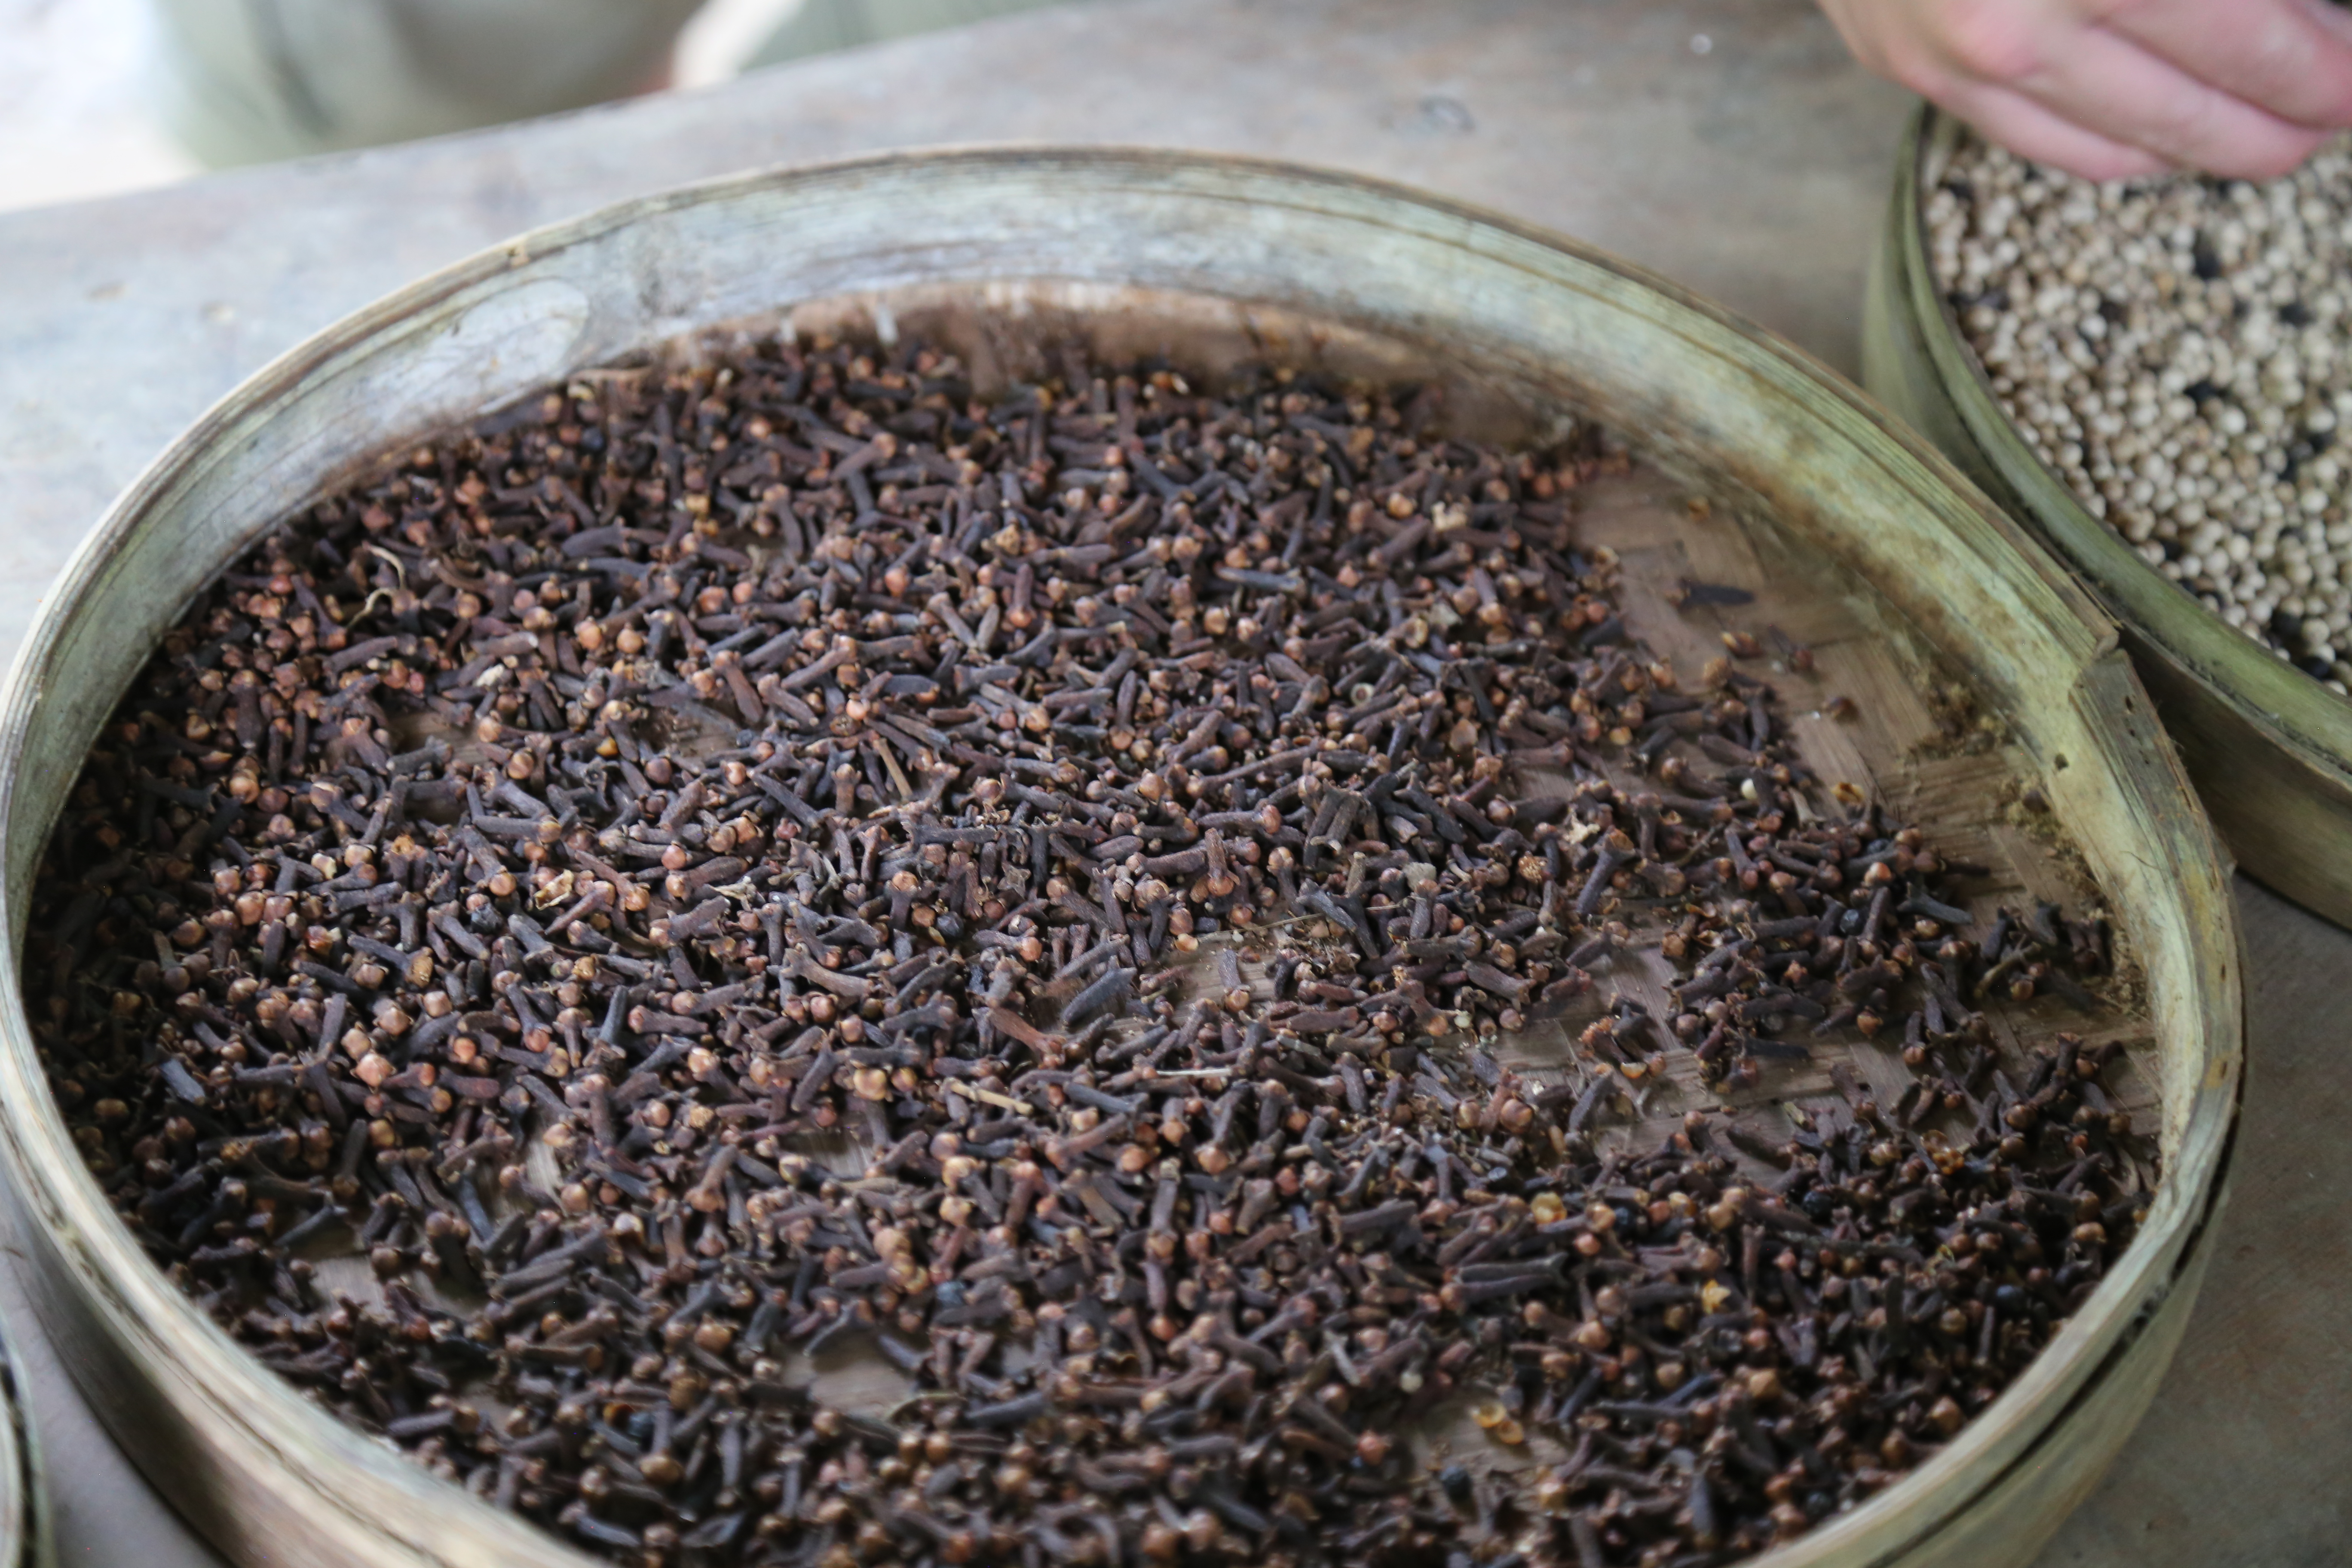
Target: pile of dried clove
723,865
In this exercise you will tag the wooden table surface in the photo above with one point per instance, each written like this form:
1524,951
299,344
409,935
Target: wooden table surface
1727,143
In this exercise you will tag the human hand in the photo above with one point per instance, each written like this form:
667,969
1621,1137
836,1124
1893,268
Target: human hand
2114,88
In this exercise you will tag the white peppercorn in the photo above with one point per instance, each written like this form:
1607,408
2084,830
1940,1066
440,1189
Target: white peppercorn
2174,349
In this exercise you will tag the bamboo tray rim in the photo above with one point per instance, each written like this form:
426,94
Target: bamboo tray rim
202,1371
24,1517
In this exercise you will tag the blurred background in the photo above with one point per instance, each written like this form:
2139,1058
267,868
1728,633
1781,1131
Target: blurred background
98,97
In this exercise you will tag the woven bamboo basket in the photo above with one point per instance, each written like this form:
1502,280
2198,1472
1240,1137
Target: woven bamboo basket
1853,534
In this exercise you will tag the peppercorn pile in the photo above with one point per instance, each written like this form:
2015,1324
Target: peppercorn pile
2174,349
727,864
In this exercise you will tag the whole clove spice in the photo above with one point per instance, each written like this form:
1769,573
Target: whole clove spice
706,868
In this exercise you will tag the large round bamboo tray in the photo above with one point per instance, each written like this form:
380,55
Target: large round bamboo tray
1979,670
2268,748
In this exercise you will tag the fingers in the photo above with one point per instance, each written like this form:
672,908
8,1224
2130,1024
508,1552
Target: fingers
2292,58
1963,55
2108,83
2063,81
2017,123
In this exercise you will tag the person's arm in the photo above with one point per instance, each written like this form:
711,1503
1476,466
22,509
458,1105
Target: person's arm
2111,89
